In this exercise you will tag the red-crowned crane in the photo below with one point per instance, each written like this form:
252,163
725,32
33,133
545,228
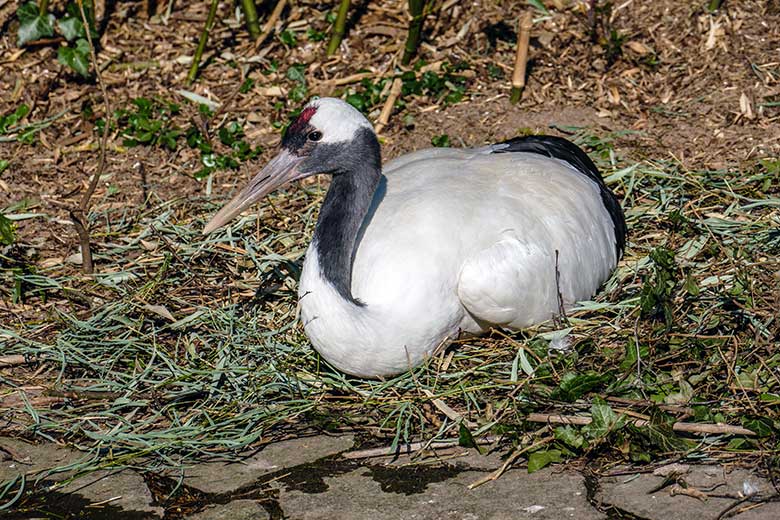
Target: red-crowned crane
437,242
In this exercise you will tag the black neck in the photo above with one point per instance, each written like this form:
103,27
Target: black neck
344,209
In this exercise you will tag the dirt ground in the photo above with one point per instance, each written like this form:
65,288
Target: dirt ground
664,84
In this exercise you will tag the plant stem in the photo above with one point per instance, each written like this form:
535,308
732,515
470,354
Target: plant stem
415,29
250,11
521,58
204,36
714,5
43,7
79,215
338,27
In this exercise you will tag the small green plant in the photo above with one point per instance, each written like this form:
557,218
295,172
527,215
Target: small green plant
297,74
149,123
10,121
231,135
7,231
445,87
658,290
35,23
441,141
367,95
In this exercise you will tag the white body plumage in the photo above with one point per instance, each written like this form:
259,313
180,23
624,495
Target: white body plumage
438,256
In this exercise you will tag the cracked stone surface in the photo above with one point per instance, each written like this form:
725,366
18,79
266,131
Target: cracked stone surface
32,459
236,510
544,495
124,489
222,477
635,494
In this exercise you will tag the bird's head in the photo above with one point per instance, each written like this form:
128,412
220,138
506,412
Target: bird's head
329,136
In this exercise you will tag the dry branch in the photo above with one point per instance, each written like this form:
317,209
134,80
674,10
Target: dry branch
269,24
717,429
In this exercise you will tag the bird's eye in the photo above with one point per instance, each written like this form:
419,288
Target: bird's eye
315,135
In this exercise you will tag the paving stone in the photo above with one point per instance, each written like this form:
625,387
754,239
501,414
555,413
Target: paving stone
222,477
634,494
125,490
236,510
362,493
32,459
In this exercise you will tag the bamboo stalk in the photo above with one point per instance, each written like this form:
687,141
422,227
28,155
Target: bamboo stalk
714,5
716,429
415,30
521,58
250,12
204,36
338,27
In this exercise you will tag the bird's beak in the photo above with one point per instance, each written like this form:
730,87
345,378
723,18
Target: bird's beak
281,170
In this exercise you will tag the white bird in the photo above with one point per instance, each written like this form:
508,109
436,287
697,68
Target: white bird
437,242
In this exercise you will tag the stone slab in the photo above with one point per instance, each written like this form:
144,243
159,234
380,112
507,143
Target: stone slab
236,510
634,494
403,494
34,460
223,477
125,490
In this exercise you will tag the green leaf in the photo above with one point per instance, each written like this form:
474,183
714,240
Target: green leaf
7,231
33,26
71,28
4,165
77,58
603,421
763,426
297,73
573,385
539,459
441,141
569,436
465,439
539,6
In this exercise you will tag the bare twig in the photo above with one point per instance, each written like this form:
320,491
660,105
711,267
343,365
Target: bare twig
509,461
716,429
269,24
387,109
387,451
521,58
13,360
79,215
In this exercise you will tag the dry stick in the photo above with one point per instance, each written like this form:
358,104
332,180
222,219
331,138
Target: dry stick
678,426
250,11
79,215
415,29
204,36
269,24
509,461
387,109
387,451
338,27
13,360
521,58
